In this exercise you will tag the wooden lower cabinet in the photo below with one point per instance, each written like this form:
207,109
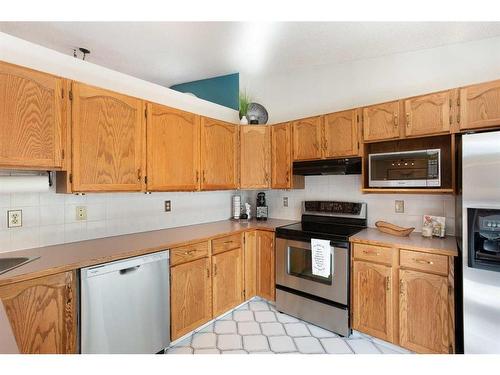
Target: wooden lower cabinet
190,297
265,265
43,313
250,260
423,312
227,280
408,301
372,299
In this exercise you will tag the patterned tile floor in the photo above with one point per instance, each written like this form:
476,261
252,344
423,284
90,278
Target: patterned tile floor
256,327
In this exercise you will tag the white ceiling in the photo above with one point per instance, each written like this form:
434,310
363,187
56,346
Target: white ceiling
174,52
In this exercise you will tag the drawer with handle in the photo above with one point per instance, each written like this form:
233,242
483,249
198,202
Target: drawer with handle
424,261
373,253
187,253
222,244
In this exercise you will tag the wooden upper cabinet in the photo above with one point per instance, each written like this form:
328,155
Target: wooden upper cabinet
281,156
191,296
32,114
372,299
219,154
381,121
340,134
480,106
255,156
227,281
173,149
108,140
265,265
43,313
423,312
428,114
307,138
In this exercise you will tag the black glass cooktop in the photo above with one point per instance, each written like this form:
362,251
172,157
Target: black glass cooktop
307,230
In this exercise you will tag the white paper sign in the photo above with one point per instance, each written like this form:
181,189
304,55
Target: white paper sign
320,253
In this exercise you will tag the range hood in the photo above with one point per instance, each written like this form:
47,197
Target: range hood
327,167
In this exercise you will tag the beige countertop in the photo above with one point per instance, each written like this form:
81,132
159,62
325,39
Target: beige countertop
70,256
415,241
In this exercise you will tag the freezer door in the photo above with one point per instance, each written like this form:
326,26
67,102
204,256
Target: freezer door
125,306
481,288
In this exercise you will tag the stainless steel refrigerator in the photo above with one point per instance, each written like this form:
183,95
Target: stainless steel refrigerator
480,242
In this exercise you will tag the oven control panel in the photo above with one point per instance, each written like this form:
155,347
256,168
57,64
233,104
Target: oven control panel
333,207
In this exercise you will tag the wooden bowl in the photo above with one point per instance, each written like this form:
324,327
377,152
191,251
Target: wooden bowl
395,230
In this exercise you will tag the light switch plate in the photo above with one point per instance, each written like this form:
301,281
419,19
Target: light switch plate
168,206
14,218
285,201
399,206
81,213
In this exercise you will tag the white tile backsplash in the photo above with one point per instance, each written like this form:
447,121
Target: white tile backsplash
348,188
50,218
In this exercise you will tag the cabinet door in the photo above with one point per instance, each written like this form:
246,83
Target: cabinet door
219,154
480,106
42,313
340,134
255,156
372,300
250,264
307,138
173,144
281,156
227,280
191,296
428,114
381,121
108,140
265,265
423,312
31,118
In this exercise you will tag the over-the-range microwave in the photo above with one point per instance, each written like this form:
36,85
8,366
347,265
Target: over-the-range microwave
420,168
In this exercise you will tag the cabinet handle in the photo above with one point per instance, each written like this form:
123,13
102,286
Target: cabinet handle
423,261
197,176
189,252
388,283
203,177
395,120
227,242
371,252
401,287
407,120
215,269
287,176
138,175
325,144
208,272
266,177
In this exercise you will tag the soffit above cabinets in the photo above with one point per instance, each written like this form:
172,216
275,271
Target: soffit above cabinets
174,52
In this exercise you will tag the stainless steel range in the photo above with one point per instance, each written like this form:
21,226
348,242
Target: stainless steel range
323,301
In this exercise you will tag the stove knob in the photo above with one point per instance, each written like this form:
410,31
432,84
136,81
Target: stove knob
488,224
494,224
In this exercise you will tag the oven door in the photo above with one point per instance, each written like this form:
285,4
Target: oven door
293,270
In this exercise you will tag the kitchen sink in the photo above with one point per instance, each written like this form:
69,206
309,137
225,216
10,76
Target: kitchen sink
7,264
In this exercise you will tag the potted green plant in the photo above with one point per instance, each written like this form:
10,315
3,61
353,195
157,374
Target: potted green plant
244,102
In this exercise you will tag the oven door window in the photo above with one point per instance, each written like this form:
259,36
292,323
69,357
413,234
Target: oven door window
300,265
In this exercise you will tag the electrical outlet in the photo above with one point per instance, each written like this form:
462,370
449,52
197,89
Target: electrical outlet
399,206
15,218
81,213
168,206
285,201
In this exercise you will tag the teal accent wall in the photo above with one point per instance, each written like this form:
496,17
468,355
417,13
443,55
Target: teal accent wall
223,90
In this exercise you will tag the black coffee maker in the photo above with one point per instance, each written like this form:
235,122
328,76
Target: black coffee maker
261,208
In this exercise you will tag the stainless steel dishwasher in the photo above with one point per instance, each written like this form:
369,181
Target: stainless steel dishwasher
125,306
